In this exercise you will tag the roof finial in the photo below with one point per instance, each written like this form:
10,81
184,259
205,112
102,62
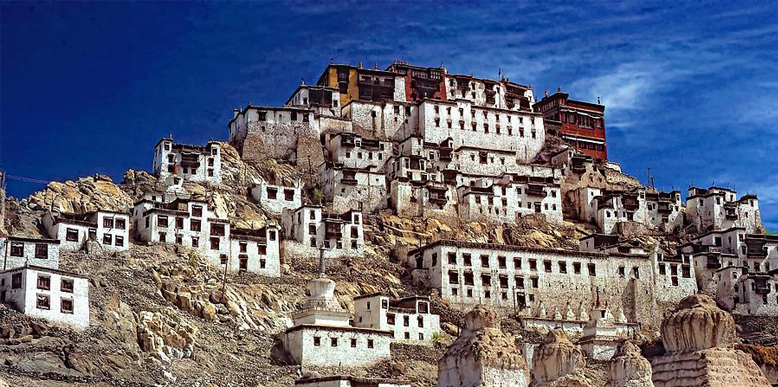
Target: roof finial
598,101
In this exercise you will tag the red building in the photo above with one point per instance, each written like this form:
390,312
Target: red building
580,124
421,82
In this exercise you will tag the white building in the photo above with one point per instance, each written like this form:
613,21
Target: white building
185,222
607,209
321,334
510,197
325,101
517,278
187,162
21,251
717,208
277,198
255,251
308,228
110,230
354,151
47,293
352,188
348,381
409,319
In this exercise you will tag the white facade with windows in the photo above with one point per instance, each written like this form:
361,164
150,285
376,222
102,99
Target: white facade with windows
184,222
321,334
255,251
409,319
110,230
353,151
518,278
717,208
277,198
308,228
187,162
352,189
21,251
46,293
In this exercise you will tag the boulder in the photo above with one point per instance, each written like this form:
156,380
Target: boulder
628,368
556,357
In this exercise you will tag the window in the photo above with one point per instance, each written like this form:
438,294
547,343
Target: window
662,269
197,211
195,242
66,306
16,281
41,250
108,222
333,341
107,239
271,235
214,243
501,262
519,282
316,341
468,278
636,272
71,235
162,237
563,267
162,221
547,266
504,282
484,261
592,269
517,263
533,264
370,343
223,259
42,302
467,259
66,285
534,281
486,280
353,343
452,258
621,272
577,267
119,241
217,229
44,282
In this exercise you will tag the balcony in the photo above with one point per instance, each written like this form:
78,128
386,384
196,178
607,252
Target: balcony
713,263
536,191
664,208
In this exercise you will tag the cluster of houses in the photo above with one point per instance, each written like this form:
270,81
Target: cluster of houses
420,142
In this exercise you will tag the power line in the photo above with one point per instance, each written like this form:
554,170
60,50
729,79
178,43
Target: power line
27,179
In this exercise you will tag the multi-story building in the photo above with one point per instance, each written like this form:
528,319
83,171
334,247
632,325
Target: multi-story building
277,198
517,278
608,208
580,124
348,381
510,197
288,133
409,319
17,251
354,151
718,208
309,229
108,229
421,82
187,162
47,293
345,189
324,100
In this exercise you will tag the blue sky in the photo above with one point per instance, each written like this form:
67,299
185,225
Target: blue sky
690,88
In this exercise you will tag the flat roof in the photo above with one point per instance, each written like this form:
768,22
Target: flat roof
349,328
355,379
46,269
495,246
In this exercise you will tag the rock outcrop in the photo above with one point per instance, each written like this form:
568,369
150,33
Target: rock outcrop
629,368
482,355
165,336
699,339
558,362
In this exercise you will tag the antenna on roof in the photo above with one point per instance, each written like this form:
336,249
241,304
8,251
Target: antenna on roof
598,101
302,81
375,65
559,89
499,74
331,59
